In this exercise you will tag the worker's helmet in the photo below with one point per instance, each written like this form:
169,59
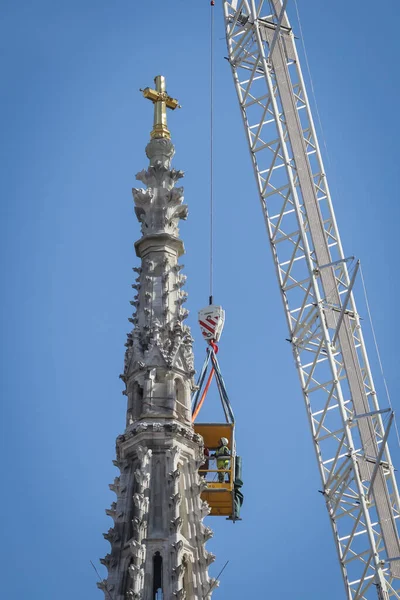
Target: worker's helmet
223,442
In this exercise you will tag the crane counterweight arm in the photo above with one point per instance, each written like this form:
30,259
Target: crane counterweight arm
349,437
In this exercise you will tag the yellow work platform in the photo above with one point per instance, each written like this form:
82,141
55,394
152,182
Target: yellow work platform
219,495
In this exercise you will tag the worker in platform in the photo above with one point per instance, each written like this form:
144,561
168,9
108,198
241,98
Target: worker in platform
222,454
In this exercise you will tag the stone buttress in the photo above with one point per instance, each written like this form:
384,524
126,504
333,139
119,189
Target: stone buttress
158,536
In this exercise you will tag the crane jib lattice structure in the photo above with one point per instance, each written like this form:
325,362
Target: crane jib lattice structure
347,424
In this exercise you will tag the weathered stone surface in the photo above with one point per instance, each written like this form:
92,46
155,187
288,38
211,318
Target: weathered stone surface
158,514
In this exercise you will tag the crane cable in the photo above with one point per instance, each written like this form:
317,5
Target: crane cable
312,85
198,401
101,580
337,193
378,352
197,407
212,4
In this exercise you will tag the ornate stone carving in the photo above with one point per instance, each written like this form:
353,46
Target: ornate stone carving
144,454
175,499
142,478
176,524
158,351
109,561
174,475
138,500
114,487
111,536
151,177
173,428
137,524
102,585
157,147
207,533
132,595
205,509
159,207
201,486
178,546
213,583
112,512
137,549
183,314
141,427
135,571
182,298
210,558
173,452
179,570
180,282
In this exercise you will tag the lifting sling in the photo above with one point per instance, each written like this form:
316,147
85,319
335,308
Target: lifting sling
211,320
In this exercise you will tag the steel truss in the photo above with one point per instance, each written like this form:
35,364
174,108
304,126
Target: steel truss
316,283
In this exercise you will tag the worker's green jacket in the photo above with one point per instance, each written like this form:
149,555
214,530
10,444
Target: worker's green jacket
222,453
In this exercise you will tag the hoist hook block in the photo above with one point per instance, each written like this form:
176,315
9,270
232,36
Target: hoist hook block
211,321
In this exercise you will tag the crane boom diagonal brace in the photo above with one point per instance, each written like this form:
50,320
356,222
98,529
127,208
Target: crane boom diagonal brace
316,287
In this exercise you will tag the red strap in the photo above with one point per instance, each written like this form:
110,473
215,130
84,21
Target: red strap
214,346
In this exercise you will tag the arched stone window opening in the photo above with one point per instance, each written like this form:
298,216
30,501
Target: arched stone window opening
180,399
157,577
185,572
135,403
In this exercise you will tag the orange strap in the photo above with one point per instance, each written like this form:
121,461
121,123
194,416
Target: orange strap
203,397
209,380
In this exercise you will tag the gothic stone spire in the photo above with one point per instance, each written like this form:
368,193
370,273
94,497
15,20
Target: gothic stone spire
157,541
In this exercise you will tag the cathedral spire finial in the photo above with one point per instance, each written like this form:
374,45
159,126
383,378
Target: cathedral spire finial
161,102
157,549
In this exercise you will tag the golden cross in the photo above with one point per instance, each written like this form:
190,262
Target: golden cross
161,102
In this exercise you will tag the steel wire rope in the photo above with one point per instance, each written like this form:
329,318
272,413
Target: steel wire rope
212,586
312,332
335,184
378,352
351,269
316,109
100,579
197,406
211,148
338,194
311,83
369,439
385,420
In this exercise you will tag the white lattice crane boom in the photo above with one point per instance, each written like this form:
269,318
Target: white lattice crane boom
316,283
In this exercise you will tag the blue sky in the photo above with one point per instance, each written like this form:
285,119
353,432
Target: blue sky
74,130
